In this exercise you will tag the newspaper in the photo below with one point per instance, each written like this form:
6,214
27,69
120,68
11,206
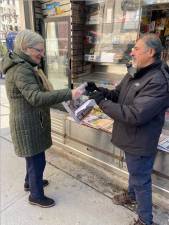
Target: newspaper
79,108
163,143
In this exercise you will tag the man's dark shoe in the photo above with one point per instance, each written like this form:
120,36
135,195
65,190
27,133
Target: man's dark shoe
123,199
139,222
44,202
26,185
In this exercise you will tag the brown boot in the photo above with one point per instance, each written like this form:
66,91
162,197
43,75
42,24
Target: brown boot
123,199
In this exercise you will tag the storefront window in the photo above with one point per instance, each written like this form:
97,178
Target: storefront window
111,29
57,34
155,19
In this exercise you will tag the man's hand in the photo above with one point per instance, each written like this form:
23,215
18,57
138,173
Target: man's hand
91,87
97,96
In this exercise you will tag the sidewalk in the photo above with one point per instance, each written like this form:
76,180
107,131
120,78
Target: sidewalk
77,202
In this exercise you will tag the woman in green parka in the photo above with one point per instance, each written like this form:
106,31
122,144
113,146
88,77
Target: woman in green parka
30,95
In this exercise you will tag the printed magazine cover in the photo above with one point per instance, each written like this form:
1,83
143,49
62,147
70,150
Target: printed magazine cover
99,120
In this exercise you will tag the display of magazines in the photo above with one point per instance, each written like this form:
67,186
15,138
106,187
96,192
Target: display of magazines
85,111
99,120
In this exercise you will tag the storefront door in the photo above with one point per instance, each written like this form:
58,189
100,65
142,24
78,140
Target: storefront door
57,38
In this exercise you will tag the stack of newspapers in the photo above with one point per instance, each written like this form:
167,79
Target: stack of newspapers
85,111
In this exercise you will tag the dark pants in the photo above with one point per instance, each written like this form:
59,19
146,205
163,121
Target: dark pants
140,184
35,166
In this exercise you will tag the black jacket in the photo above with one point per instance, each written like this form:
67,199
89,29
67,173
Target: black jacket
138,108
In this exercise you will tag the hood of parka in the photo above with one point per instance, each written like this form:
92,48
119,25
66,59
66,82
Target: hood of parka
11,59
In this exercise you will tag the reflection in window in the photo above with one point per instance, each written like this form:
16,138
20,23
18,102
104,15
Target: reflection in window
56,52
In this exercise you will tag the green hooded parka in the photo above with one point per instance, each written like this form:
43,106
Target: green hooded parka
30,122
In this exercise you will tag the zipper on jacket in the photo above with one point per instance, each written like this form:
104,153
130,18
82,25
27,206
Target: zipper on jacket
41,119
128,88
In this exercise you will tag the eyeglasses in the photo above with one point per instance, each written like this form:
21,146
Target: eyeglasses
41,51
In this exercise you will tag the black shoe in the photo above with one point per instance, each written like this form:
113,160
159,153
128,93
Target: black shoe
26,185
44,202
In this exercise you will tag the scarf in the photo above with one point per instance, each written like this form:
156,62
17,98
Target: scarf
46,83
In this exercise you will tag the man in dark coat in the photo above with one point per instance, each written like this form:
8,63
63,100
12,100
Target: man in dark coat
138,106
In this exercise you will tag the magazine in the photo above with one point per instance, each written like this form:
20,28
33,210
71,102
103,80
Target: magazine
86,111
99,120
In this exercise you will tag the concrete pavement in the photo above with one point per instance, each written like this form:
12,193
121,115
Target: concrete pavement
76,189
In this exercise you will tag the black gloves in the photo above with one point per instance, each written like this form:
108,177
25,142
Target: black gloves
97,96
94,92
99,93
91,86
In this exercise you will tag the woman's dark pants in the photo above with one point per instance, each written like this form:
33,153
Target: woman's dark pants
35,166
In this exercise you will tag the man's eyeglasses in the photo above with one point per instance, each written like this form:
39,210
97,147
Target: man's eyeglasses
41,51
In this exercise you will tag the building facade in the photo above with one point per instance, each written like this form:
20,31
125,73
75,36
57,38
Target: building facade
11,17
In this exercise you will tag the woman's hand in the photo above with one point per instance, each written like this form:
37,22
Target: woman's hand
79,91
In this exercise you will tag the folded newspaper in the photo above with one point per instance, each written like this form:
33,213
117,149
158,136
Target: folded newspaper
79,108
86,111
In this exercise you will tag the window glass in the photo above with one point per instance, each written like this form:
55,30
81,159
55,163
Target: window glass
57,53
111,30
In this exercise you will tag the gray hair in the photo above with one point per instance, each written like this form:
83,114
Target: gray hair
153,41
27,39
